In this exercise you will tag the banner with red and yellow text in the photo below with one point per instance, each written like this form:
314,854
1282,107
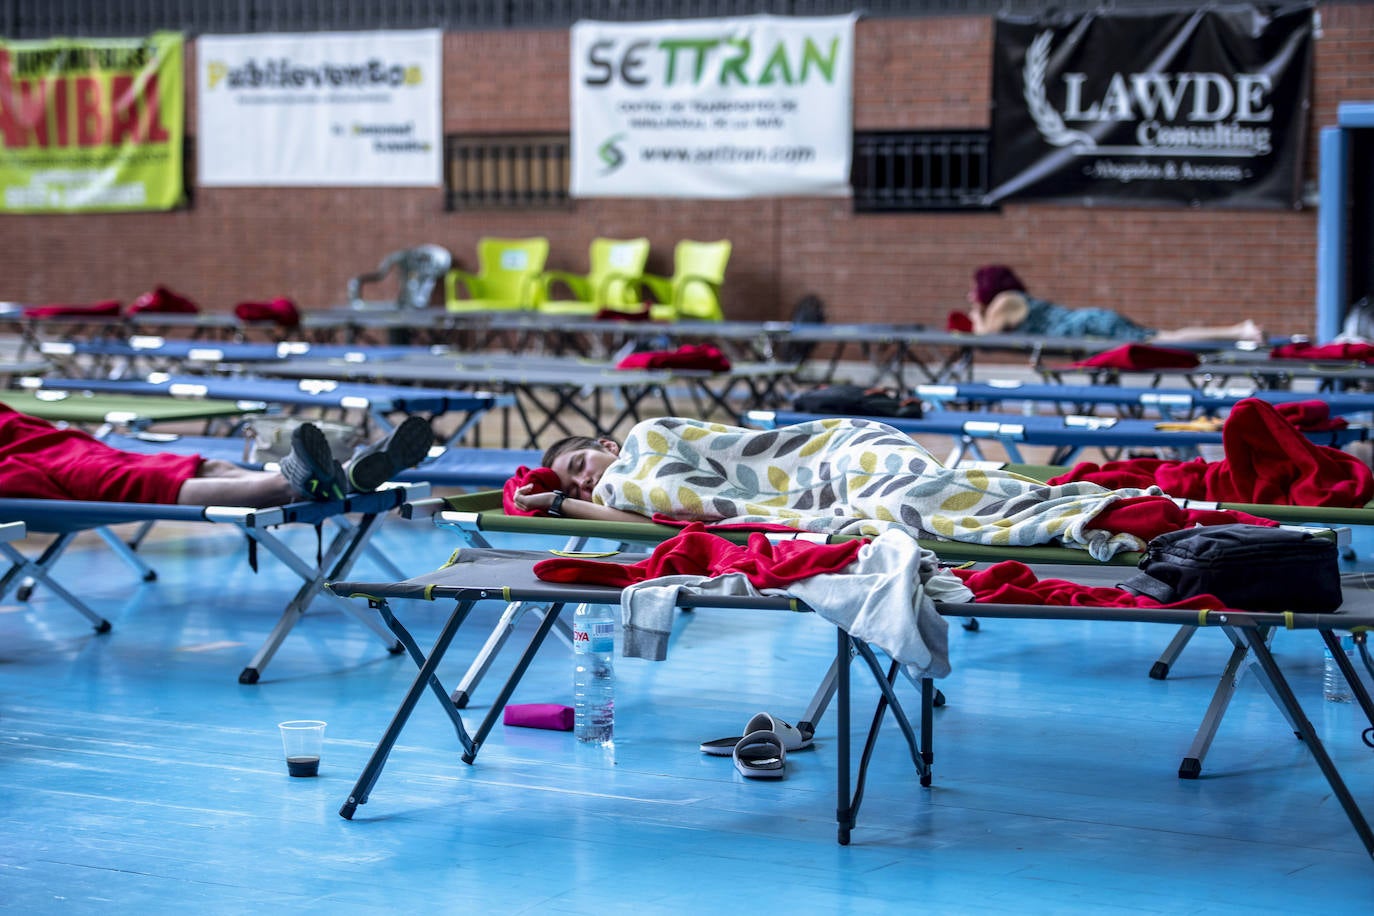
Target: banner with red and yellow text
90,124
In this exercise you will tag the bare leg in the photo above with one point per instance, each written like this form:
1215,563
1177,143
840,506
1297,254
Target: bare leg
1242,330
220,483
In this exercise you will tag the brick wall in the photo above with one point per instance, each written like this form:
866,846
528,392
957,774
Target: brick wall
1165,267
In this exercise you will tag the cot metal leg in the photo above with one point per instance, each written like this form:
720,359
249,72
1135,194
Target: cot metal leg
1160,669
1191,766
424,678
1231,676
522,664
343,551
125,551
825,692
849,796
1259,645
506,626
503,630
844,811
21,566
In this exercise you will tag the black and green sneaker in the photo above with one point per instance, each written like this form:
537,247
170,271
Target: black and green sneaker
406,447
310,467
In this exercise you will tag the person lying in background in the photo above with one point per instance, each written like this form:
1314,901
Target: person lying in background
999,303
42,461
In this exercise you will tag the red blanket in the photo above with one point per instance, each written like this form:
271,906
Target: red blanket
544,480
697,552
1010,582
687,356
1347,352
40,461
104,308
281,310
1139,357
1267,461
162,299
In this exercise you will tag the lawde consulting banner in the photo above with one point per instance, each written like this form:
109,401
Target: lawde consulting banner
752,106
1198,107
323,109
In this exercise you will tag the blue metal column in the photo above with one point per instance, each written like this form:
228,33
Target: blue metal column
1334,154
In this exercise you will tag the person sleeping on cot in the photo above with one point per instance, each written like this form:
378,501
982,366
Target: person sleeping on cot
842,476
42,461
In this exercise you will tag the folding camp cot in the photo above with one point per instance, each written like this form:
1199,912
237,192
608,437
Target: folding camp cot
1132,401
477,575
474,515
1067,436
377,403
551,394
137,355
356,518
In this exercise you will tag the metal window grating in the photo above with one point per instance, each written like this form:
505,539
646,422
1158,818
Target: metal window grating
906,171
507,172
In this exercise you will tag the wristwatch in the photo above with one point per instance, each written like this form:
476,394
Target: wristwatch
556,507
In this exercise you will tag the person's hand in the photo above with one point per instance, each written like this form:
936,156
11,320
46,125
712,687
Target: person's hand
527,500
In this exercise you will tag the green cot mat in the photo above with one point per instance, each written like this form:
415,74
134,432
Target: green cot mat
122,410
481,511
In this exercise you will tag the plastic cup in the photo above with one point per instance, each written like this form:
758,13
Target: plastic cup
301,740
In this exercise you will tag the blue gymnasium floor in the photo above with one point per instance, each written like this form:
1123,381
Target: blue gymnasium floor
137,775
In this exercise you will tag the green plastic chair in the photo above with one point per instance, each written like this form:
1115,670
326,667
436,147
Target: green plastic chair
507,277
693,291
617,266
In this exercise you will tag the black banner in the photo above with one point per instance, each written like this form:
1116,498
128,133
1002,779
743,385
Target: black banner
1205,107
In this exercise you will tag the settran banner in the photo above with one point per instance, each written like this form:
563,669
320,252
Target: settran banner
91,124
1204,107
754,106
326,109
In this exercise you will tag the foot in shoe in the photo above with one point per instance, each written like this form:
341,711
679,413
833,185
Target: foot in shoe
310,467
406,447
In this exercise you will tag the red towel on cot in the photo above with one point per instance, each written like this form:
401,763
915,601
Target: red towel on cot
1346,352
40,461
959,322
163,300
281,310
1311,416
544,479
687,356
1150,516
1267,461
697,552
1010,582
104,308
1139,357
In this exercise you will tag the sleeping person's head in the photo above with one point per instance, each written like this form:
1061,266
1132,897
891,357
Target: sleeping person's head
579,462
991,280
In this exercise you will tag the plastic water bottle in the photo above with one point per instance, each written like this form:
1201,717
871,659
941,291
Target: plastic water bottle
1334,686
594,673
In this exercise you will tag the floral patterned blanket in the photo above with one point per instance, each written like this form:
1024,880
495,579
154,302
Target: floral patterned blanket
847,476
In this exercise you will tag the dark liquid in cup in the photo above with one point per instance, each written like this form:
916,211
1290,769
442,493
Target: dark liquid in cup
303,766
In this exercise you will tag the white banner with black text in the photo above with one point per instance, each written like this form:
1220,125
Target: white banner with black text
326,109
